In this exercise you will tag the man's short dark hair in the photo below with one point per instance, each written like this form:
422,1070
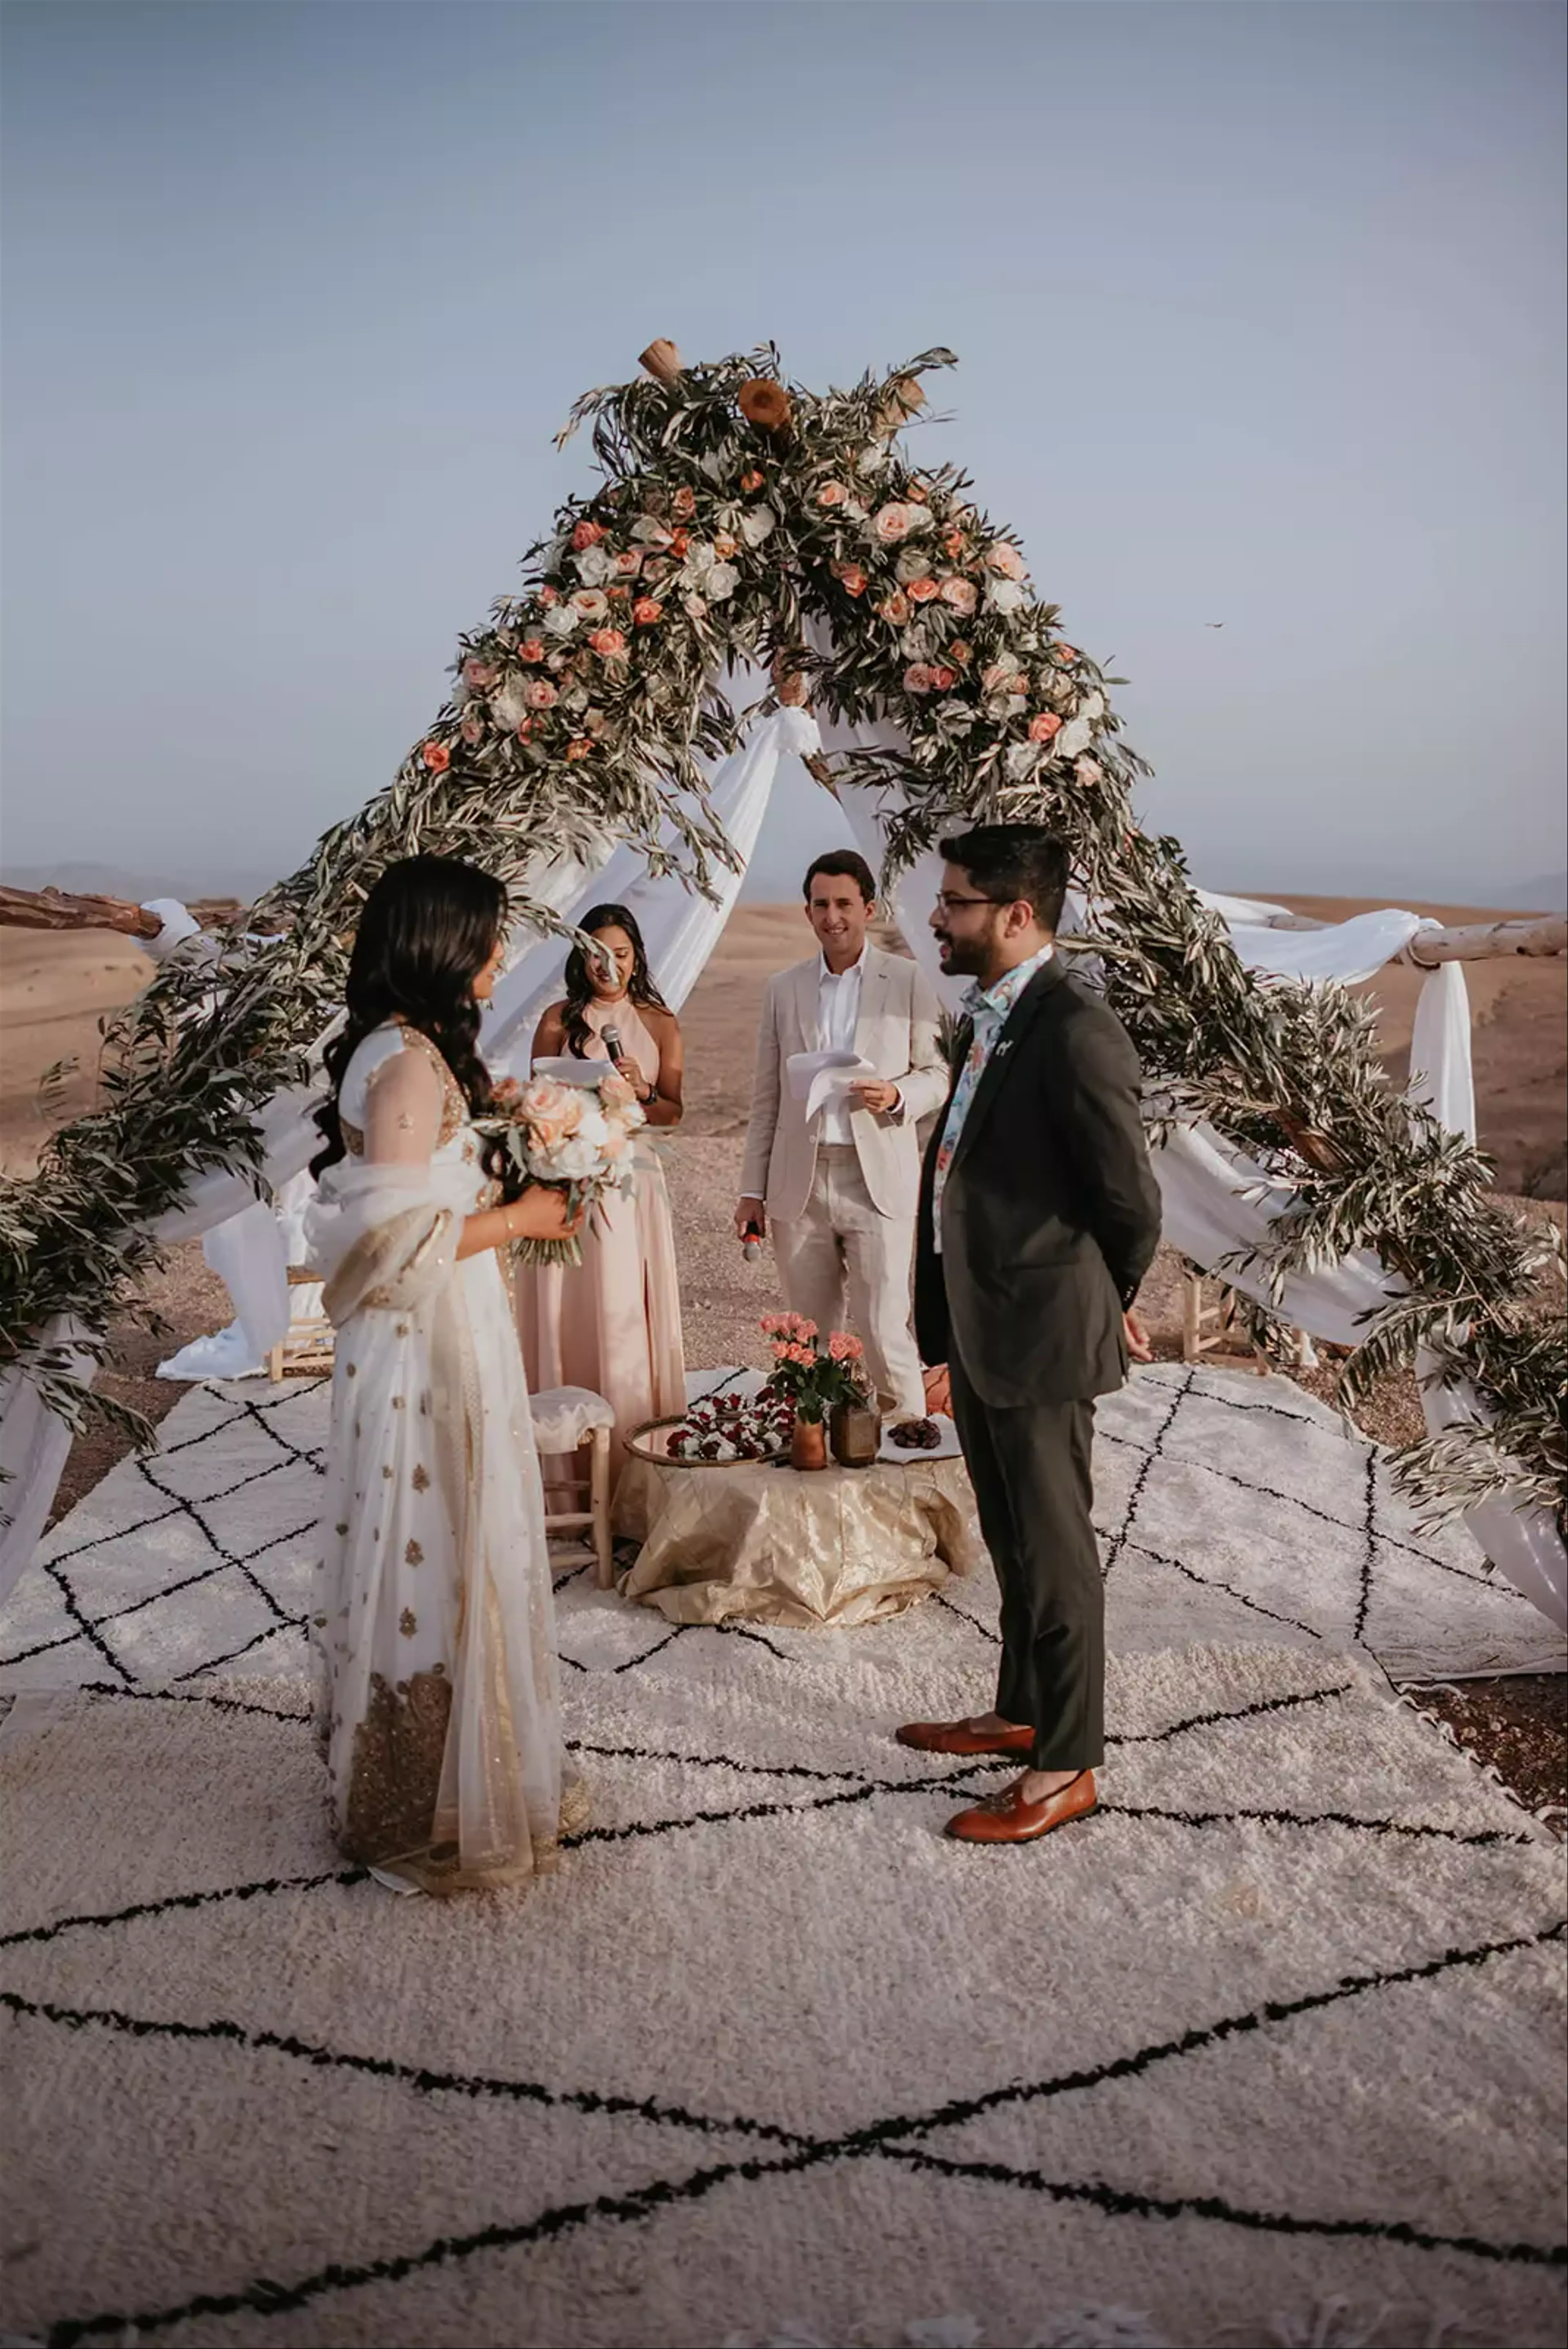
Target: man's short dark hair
1012,861
845,863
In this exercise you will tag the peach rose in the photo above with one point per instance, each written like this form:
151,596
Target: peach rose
526,730
479,673
960,652
920,678
548,597
1002,677
961,593
616,594
646,612
680,544
944,678
609,643
614,1092
532,648
724,545
1066,655
539,694
894,608
850,577
952,545
832,494
892,523
683,504
1004,560
436,756
843,1348
628,564
590,602
753,480
579,747
550,1111
923,591
1044,725
655,567
586,534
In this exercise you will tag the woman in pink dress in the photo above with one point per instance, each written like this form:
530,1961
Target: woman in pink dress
613,1323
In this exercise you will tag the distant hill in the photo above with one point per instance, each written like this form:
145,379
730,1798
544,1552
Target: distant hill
1547,894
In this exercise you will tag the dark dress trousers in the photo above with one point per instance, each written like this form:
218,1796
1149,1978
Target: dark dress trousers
1050,1220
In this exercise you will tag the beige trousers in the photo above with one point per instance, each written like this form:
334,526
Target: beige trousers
844,1244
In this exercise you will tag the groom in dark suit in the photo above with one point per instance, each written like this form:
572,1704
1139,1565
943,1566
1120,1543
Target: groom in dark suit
1039,1218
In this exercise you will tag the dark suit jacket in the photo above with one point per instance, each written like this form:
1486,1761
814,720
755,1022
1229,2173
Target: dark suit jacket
1050,1210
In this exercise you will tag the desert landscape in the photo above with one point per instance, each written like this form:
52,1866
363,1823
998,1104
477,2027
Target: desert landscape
56,988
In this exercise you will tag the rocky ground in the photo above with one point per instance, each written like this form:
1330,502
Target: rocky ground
53,990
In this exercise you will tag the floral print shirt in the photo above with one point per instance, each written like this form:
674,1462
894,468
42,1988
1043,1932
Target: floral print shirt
987,1009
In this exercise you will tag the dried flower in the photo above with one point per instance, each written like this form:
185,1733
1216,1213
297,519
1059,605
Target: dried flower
436,756
765,403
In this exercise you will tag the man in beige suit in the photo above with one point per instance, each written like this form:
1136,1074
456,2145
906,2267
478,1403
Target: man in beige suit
841,1192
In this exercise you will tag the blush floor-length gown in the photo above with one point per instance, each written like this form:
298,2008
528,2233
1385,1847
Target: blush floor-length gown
613,1323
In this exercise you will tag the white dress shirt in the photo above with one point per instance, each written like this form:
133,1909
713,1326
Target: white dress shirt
837,1012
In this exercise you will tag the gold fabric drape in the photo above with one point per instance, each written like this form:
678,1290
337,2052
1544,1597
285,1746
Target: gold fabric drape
769,1544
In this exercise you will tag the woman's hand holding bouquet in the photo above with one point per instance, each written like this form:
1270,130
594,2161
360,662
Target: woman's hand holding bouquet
576,1138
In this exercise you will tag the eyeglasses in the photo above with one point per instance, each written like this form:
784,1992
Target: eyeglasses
948,903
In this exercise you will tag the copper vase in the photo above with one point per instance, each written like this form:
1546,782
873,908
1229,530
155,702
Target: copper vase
854,1432
808,1445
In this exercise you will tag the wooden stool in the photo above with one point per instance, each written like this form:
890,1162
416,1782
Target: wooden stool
309,1344
571,1420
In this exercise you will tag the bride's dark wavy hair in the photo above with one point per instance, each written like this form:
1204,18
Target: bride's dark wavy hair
580,988
429,925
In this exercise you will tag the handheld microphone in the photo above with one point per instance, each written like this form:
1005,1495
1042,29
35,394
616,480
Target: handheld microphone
610,1038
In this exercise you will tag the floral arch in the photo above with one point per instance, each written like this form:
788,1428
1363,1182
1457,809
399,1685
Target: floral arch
740,521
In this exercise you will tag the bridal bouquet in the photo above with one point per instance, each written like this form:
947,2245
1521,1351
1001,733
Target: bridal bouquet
576,1137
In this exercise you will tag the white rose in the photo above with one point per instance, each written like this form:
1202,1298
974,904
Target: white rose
757,524
508,706
1006,594
872,461
919,519
721,463
594,566
1073,739
1021,761
720,581
560,620
649,531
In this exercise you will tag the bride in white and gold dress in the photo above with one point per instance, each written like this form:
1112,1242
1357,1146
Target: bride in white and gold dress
438,1699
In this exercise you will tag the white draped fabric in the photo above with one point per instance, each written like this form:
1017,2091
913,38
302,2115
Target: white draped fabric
1218,1203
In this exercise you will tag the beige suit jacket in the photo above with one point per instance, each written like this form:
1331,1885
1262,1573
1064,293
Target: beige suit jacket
898,1031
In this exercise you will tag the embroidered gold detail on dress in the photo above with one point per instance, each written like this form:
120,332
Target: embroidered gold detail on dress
341,1529
387,1470
421,1479
396,1403
352,1369
453,1100
395,1775
407,1623
353,1136
414,1555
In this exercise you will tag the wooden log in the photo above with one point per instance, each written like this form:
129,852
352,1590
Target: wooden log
57,909
1485,941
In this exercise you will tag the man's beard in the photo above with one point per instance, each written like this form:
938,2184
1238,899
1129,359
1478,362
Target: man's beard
965,957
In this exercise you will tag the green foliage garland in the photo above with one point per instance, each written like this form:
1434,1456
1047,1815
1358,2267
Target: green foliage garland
732,513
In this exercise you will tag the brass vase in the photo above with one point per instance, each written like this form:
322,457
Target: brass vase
854,1432
808,1445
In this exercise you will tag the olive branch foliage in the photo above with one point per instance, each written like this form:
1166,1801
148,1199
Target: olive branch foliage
713,540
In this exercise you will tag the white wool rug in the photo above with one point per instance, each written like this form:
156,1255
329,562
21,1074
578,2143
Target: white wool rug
1269,2051
1230,1509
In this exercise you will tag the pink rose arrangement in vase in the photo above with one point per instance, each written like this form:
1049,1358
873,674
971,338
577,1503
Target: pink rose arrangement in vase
818,1381
576,1137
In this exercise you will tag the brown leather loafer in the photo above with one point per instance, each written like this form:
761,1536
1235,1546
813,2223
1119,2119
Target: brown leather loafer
1007,1819
958,1737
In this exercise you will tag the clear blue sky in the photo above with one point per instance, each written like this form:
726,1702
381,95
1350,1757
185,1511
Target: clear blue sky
1260,310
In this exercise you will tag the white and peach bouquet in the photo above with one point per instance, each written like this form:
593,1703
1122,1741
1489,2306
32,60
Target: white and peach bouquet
578,1137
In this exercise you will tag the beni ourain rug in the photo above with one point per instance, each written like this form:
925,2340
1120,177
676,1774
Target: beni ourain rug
1230,1508
1270,2051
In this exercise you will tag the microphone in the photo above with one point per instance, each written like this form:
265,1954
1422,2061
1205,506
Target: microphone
610,1038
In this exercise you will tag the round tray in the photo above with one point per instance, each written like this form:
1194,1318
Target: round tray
641,1450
